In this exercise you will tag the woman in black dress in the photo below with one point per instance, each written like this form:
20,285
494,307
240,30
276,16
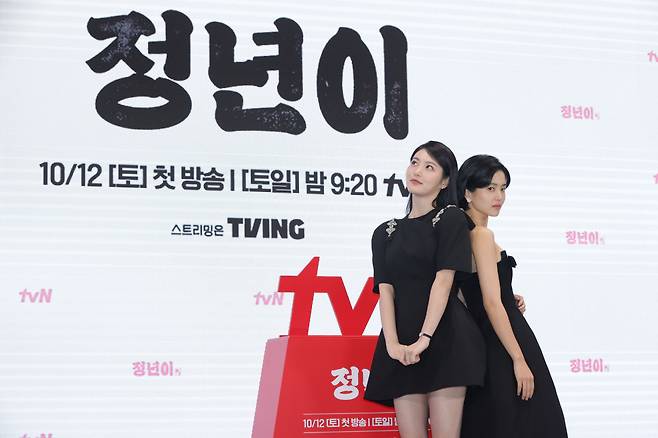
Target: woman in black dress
430,348
518,399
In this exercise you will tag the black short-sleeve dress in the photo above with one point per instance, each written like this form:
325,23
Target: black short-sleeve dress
407,253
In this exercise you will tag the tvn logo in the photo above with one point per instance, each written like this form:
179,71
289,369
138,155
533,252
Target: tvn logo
352,321
273,299
42,296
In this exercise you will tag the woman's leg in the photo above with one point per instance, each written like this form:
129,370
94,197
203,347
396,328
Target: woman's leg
446,406
411,415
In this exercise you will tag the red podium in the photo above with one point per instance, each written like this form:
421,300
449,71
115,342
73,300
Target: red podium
313,386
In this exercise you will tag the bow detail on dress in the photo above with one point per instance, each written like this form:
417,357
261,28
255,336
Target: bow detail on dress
512,262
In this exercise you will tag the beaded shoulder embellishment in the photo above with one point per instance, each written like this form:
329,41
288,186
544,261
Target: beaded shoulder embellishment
391,227
437,217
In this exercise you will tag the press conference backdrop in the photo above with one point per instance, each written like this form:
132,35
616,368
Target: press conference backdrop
139,264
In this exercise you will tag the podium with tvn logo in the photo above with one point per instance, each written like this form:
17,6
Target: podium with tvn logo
312,386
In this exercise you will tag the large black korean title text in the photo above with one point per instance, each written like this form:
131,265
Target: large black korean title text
225,72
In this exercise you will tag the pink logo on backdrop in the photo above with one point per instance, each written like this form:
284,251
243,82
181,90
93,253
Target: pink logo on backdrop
41,435
655,178
584,238
271,299
652,56
42,296
579,112
157,368
588,366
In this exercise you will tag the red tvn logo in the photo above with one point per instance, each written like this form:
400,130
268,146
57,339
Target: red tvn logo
352,321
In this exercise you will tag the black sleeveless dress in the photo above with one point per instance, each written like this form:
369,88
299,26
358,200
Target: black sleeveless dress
407,253
495,411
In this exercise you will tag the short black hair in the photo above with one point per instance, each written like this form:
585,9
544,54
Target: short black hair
476,173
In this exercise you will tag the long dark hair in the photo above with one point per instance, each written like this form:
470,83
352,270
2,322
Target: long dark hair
476,173
446,159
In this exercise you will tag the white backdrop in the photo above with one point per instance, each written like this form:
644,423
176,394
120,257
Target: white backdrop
483,77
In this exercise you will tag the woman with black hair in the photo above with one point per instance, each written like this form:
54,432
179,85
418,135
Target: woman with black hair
518,399
430,349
